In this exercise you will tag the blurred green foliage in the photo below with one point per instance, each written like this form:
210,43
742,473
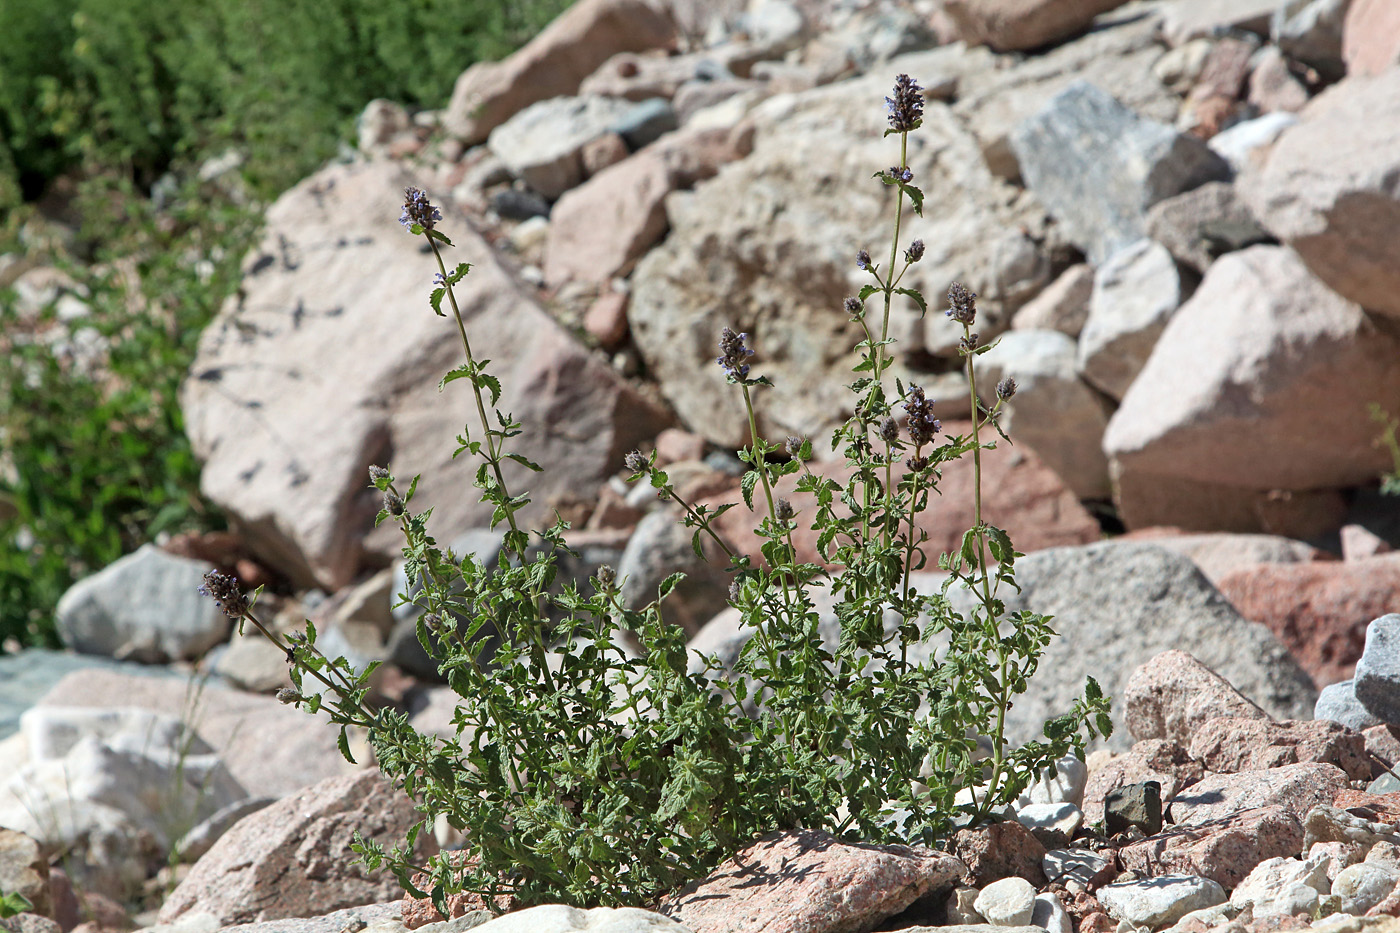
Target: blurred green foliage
111,96
142,84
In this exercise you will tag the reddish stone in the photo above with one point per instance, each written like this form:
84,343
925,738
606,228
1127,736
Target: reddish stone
293,858
419,911
606,320
1170,697
674,445
807,880
1384,743
1223,850
1319,611
1272,86
1153,760
1371,36
1229,746
1378,808
1295,788
1019,493
999,850
598,154
1097,923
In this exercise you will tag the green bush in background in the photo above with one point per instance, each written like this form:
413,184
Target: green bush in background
115,95
141,84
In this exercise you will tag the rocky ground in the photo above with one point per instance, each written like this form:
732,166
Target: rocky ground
1182,220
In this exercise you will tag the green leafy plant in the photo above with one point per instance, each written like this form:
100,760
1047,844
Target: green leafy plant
590,773
98,460
145,84
1389,439
13,903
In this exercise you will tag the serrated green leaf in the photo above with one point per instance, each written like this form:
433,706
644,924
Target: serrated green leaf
866,291
917,297
436,301
461,372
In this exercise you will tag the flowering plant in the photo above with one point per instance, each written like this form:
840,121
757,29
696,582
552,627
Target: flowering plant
584,771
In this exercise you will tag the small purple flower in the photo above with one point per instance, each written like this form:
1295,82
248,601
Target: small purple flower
915,252
962,304
733,354
418,210
854,306
922,424
439,280
906,107
223,589
1006,388
862,259
904,174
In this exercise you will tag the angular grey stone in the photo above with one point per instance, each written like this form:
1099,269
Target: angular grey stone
28,675
1338,703
1137,805
1377,681
379,917
1136,292
1097,166
145,606
645,122
1310,31
198,840
543,144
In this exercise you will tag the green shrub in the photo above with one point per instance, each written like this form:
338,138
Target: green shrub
99,462
143,84
586,773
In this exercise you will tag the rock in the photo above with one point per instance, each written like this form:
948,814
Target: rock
1067,786
640,77
1359,543
1336,206
1085,866
265,745
1244,143
1156,760
1377,682
558,918
553,64
1159,901
1056,817
1220,555
1174,694
542,145
996,94
1325,823
249,662
368,918
1184,456
659,547
33,672
645,122
674,445
959,908
1062,306
1294,788
1053,412
1185,20
1009,902
1365,885
1320,611
145,606
345,216
1098,167
1272,85
1203,224
519,204
1231,746
801,879
1338,703
994,851
1133,805
789,218
601,152
1272,876
1213,100
1012,25
1310,31
25,871
606,320
113,790
1370,37
293,858
378,124
600,229
1136,292
201,838
25,922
